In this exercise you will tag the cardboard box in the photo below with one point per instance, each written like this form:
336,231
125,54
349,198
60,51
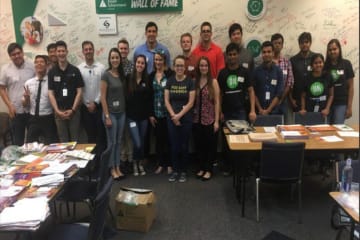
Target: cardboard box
135,209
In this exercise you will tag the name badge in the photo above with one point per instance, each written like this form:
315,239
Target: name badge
309,68
116,103
340,72
322,98
267,96
159,104
132,124
316,108
273,82
163,84
57,78
65,92
284,72
190,68
245,65
241,79
143,85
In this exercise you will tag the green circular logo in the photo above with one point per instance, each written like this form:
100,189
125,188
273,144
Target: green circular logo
254,46
317,89
255,7
232,81
334,75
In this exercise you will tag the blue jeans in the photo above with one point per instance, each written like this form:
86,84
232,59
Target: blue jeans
113,135
337,114
137,131
179,144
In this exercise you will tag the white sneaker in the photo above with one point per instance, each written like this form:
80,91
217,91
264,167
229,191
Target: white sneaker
136,171
141,170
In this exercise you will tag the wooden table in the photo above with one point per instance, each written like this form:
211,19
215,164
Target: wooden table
354,216
55,191
312,145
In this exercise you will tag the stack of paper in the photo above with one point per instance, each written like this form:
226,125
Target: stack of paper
263,137
80,154
294,134
19,216
52,179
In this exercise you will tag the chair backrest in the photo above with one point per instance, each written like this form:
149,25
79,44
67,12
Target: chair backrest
269,120
98,219
104,171
355,164
309,118
281,161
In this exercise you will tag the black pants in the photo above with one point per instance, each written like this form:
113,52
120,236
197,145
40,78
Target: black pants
205,143
42,129
162,142
94,128
18,126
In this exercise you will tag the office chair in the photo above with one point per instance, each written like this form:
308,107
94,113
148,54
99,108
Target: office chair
92,231
309,118
84,190
281,163
269,120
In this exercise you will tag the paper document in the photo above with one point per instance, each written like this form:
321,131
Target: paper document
348,134
331,139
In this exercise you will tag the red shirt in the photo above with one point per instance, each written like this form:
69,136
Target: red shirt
215,55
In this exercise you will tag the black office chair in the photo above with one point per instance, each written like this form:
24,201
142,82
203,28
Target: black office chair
269,120
281,163
309,118
84,190
92,231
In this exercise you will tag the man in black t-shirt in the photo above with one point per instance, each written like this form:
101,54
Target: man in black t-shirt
65,93
236,89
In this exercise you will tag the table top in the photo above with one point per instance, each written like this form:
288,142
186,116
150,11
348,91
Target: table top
313,143
340,198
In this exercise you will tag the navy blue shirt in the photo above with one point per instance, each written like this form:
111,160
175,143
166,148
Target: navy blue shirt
268,84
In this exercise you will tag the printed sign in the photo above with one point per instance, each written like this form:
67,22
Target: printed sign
136,6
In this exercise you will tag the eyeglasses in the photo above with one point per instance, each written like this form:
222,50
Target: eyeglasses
206,31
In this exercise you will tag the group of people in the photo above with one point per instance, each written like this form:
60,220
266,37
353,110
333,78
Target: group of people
118,105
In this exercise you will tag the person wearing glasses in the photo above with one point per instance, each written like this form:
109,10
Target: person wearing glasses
179,98
209,49
158,79
151,45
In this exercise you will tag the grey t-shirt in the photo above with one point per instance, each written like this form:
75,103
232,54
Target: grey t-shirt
114,93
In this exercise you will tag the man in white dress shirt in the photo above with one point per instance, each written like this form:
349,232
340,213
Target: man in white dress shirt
41,126
91,111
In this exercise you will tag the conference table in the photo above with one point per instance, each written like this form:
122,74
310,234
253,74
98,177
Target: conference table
342,199
248,151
